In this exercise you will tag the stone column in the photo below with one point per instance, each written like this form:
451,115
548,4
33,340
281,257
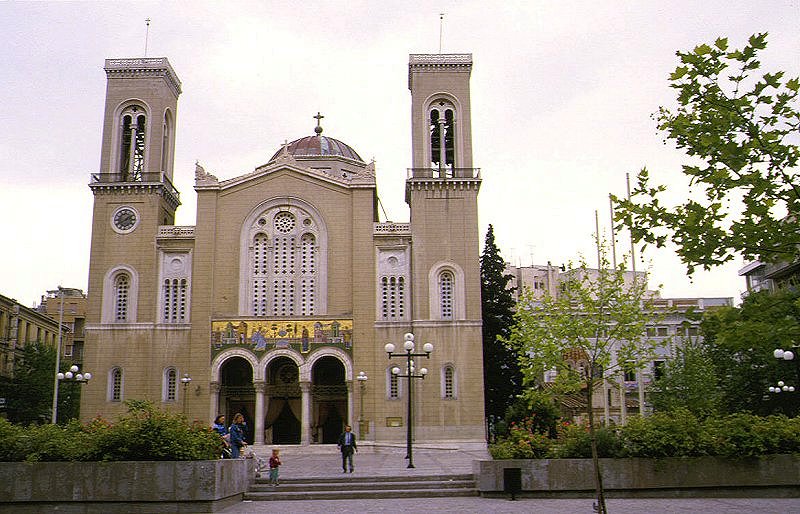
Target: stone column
350,409
260,387
305,423
213,396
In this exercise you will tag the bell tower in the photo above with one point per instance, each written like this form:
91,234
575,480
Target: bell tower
133,192
442,189
442,194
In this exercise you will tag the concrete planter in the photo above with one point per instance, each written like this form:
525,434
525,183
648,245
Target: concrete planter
768,476
184,486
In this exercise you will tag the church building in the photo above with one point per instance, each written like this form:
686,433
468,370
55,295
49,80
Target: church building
279,302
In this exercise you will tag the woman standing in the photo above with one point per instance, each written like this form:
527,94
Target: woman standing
237,435
220,428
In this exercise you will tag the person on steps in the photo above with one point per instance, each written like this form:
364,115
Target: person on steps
347,445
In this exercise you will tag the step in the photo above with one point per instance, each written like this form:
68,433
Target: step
361,487
278,494
351,478
364,486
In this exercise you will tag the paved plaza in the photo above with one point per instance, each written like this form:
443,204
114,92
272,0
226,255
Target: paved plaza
325,461
537,506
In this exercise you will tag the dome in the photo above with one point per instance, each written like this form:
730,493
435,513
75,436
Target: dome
318,146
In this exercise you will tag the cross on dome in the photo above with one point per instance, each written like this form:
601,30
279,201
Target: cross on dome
318,128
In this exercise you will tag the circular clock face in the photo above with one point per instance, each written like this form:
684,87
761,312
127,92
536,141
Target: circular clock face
125,219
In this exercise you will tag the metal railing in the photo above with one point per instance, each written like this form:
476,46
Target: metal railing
130,178
445,173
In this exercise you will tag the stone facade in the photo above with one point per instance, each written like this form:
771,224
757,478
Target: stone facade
288,285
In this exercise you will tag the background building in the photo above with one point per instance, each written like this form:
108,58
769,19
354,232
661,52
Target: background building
762,276
288,285
675,320
73,316
20,325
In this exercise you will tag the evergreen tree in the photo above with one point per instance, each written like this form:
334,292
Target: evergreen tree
502,379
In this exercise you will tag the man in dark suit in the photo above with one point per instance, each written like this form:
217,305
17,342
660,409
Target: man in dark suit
347,445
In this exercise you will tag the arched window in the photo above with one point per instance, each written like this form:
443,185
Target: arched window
446,292
132,143
170,389
284,264
122,286
166,142
442,135
448,382
115,385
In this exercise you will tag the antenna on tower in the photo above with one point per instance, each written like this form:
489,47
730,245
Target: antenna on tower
441,27
146,35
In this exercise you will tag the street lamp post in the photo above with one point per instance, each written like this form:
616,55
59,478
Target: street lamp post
54,409
786,355
73,375
185,380
408,346
362,380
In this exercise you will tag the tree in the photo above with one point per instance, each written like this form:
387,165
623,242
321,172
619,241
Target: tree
689,381
29,392
740,343
737,127
590,332
502,378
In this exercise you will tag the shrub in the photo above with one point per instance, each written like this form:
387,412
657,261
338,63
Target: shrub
665,434
674,434
144,433
747,435
522,442
575,442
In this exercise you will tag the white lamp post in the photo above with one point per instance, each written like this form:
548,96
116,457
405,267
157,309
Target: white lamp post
185,380
786,355
72,374
362,380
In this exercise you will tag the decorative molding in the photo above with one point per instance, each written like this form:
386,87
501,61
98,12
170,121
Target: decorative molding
201,176
144,67
176,232
440,60
391,228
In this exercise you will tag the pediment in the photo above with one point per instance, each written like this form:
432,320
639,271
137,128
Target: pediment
286,164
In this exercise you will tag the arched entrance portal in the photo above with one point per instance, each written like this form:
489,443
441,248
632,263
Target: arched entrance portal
237,393
284,410
329,393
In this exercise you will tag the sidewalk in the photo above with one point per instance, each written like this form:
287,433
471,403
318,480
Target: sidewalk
524,506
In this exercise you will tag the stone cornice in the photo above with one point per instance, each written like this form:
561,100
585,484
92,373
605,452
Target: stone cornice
417,60
144,68
172,199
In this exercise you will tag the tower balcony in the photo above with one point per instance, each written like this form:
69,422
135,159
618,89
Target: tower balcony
129,181
444,173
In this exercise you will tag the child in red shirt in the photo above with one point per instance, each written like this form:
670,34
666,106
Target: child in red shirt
274,462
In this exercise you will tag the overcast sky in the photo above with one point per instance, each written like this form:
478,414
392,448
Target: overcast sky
562,98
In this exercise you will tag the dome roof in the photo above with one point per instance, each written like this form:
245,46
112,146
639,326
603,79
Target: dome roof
318,146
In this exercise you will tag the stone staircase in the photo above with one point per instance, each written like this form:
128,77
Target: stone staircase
357,487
